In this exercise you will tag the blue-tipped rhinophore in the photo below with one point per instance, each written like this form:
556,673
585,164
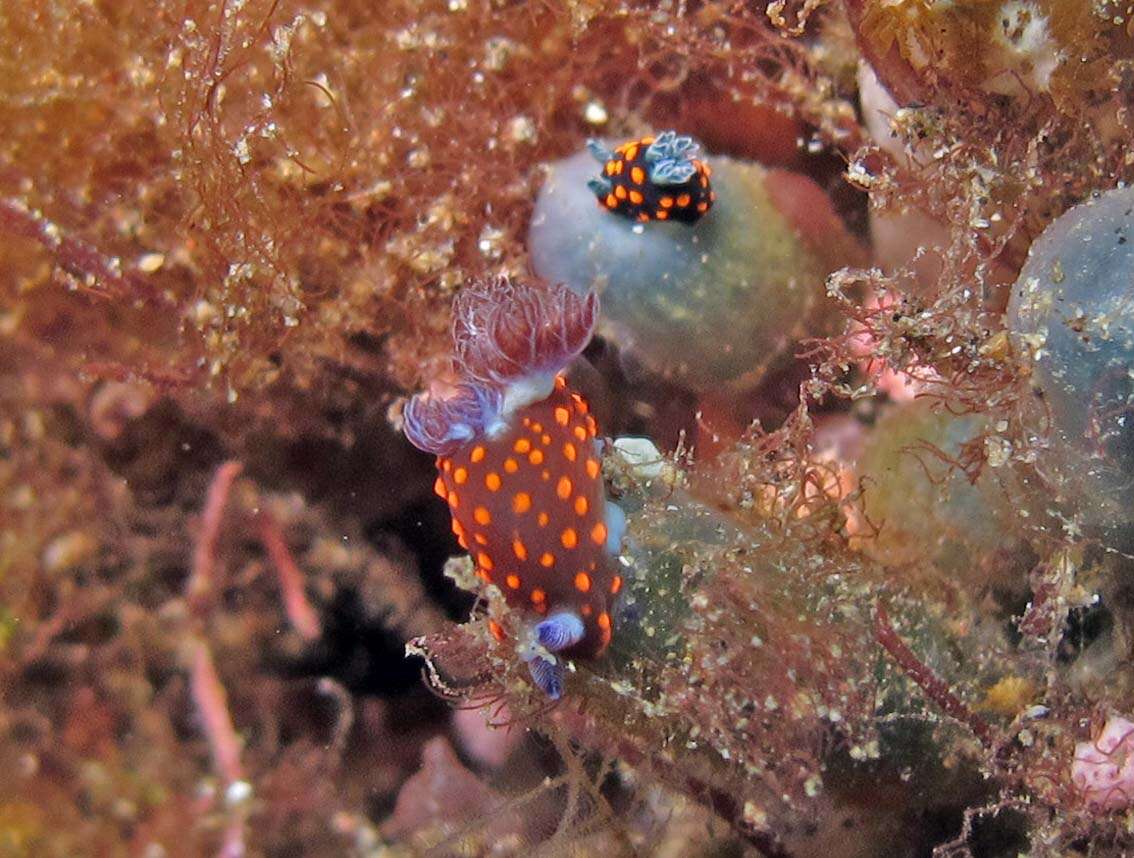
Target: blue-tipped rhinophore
547,675
560,631
599,152
600,186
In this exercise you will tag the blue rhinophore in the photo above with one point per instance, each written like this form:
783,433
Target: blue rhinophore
560,631
599,151
600,185
547,673
615,520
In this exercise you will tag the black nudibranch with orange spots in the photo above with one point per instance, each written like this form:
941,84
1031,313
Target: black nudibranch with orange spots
655,178
518,464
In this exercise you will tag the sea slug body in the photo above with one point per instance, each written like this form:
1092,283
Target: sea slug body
518,465
655,178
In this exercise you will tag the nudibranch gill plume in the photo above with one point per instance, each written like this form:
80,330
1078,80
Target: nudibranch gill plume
654,178
518,464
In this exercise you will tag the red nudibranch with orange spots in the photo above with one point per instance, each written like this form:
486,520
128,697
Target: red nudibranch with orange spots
518,464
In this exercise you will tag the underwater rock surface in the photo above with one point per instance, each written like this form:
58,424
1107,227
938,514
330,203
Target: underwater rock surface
1072,310
709,304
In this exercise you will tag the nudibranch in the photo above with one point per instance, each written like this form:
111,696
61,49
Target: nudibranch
654,178
518,463
708,282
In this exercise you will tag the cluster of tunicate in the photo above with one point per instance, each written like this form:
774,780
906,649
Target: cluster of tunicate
1072,315
710,300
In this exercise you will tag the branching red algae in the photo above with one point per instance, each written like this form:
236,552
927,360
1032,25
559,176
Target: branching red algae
934,688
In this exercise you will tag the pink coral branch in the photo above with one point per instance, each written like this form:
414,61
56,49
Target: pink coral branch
233,846
300,613
211,702
202,578
205,687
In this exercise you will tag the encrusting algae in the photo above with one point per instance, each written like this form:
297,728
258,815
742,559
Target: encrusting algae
771,363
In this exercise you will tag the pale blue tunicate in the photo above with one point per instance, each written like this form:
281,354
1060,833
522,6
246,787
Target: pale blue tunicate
710,304
1072,313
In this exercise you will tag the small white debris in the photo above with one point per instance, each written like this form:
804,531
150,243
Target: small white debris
521,129
595,114
238,792
489,242
242,150
642,455
150,262
755,815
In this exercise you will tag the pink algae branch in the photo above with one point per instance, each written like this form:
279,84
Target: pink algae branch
202,579
300,613
205,687
209,697
212,705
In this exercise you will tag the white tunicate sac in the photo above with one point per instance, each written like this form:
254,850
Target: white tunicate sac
1072,311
